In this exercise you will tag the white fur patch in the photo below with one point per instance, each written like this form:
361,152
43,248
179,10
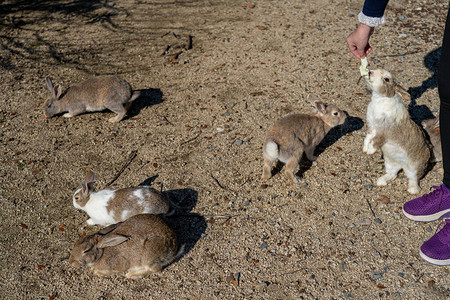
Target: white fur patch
272,150
125,214
97,205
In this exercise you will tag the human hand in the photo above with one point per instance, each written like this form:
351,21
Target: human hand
358,41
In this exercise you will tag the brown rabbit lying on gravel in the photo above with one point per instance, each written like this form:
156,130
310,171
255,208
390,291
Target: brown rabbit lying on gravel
95,94
297,133
141,245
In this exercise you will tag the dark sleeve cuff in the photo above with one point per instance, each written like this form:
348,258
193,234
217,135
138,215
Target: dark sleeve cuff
374,8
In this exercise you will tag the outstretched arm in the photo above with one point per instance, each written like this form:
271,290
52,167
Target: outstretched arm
371,16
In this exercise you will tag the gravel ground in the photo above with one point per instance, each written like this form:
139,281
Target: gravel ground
214,76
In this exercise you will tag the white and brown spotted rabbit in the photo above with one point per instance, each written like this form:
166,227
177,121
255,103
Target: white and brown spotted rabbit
95,94
107,207
141,245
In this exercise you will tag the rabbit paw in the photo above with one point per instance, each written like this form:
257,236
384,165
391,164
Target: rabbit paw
413,189
311,158
266,176
382,181
90,222
296,179
369,149
68,115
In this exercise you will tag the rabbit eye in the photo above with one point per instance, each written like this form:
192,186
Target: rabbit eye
386,79
335,113
77,197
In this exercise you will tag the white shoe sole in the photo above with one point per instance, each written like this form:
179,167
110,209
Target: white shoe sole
433,261
426,218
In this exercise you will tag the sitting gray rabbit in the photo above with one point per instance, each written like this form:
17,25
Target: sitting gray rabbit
95,94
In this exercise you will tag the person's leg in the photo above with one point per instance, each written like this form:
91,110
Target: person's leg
444,95
436,204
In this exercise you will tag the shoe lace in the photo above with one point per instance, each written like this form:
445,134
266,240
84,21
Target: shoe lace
446,221
437,190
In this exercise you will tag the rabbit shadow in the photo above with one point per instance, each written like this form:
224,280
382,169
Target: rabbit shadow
350,125
188,226
147,98
419,113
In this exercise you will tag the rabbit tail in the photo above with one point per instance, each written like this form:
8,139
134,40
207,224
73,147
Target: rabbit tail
135,95
272,150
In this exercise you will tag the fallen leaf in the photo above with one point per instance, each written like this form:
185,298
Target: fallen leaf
380,286
36,171
339,148
384,199
52,296
251,5
179,183
211,221
233,281
61,229
264,186
155,165
262,27
332,173
40,267
23,226
308,212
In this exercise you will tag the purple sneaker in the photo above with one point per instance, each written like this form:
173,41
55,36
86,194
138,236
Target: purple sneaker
437,249
429,207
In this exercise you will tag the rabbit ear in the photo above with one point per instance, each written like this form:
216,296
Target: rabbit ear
84,189
112,239
402,91
50,86
317,104
58,91
108,229
90,179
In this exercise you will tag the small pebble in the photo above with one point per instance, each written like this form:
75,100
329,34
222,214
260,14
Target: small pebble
401,274
377,276
239,142
377,220
402,17
264,245
247,203
429,229
368,186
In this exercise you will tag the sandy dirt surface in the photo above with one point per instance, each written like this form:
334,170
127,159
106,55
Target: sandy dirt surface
214,76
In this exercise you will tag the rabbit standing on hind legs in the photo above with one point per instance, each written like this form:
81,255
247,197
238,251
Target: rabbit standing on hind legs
95,94
391,129
297,133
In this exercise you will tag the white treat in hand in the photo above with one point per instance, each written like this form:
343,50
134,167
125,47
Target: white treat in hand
363,68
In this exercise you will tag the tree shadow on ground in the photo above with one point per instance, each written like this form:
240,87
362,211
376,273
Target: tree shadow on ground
351,124
422,112
148,97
